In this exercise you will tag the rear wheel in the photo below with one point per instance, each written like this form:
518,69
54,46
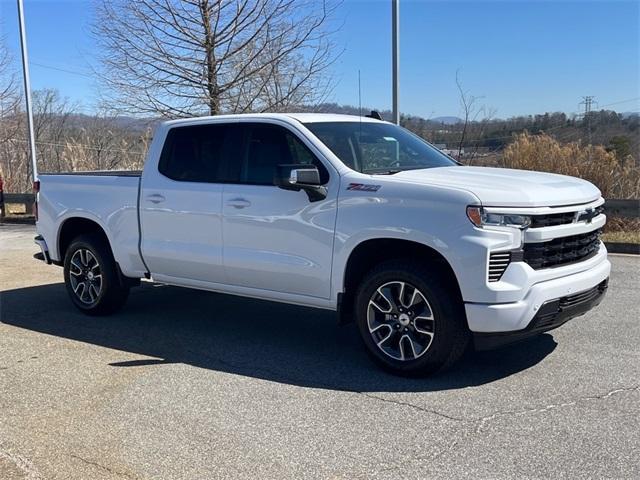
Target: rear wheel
91,276
410,319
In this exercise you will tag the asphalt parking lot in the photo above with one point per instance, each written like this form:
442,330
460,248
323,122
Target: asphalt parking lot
186,384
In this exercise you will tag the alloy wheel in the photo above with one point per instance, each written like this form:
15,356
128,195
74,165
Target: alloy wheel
85,276
400,321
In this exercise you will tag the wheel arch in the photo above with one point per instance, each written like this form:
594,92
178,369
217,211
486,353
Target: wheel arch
74,226
371,252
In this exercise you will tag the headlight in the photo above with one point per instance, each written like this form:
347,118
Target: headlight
480,218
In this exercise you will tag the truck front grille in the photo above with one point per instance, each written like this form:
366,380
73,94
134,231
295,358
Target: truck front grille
553,219
562,251
498,263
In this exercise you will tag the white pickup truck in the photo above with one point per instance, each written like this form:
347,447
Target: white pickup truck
337,212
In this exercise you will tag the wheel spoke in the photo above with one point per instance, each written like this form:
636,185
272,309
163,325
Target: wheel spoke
92,298
403,341
380,342
81,293
422,331
416,297
78,270
92,288
386,299
401,294
92,261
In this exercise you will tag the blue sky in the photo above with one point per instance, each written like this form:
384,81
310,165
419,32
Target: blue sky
522,57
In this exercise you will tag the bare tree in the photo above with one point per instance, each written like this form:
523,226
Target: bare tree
472,111
9,97
192,57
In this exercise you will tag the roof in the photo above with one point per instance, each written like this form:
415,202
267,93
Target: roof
301,117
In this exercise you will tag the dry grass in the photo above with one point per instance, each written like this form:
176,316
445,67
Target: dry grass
626,230
622,237
615,177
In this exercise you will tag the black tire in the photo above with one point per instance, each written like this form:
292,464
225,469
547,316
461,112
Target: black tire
107,297
434,343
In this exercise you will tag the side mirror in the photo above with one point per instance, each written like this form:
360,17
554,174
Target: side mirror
301,177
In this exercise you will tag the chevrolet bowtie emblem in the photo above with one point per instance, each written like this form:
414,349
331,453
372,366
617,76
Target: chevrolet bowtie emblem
587,215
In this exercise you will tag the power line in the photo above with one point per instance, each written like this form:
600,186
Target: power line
51,67
81,145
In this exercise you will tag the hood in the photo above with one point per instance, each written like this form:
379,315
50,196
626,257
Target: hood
504,187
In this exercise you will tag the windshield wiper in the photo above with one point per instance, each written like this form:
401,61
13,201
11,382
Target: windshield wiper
382,171
389,171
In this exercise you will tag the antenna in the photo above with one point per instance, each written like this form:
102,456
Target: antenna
360,102
359,95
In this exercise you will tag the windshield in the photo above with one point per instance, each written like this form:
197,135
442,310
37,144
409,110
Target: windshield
370,147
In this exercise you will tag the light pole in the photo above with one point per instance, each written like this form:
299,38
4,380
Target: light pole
395,54
27,89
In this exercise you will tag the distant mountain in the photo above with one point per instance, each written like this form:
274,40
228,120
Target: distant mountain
447,120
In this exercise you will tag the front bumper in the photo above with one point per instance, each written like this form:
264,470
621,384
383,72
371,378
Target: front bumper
551,314
513,316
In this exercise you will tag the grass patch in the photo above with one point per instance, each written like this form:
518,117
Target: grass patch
622,237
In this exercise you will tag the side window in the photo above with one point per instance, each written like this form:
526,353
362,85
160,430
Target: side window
194,153
269,146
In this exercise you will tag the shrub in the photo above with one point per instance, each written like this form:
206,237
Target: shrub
615,177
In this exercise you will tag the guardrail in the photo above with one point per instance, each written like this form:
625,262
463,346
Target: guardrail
622,208
613,207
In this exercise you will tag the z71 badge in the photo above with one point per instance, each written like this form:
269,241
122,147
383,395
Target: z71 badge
363,187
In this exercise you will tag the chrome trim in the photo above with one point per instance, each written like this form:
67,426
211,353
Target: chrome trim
543,234
545,210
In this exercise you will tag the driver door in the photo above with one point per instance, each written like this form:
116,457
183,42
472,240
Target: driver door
274,239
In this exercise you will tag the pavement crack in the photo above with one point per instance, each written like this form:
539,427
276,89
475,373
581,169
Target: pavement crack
102,467
22,464
483,421
415,407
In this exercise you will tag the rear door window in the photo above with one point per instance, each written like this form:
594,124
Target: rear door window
195,153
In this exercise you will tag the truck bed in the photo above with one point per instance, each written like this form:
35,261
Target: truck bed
108,198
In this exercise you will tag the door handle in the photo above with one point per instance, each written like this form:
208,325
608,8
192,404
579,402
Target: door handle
155,198
239,203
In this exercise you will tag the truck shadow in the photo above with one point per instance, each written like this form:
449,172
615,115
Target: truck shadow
271,341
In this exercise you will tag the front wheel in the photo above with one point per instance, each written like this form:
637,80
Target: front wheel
91,276
410,318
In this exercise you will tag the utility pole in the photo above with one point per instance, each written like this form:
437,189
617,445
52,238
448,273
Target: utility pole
587,101
27,89
395,53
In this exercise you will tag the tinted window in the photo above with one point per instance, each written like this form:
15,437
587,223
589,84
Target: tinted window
268,146
193,154
370,147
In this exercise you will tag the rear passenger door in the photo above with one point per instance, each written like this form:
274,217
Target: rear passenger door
181,206
274,239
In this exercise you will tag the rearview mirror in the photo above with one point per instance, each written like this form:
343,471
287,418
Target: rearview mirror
301,177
